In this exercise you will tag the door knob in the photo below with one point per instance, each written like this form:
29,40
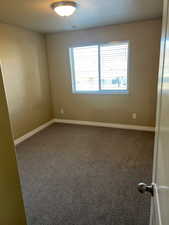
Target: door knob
142,188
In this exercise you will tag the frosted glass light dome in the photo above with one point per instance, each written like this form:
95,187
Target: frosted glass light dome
64,8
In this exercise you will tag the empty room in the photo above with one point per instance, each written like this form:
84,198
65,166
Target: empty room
84,112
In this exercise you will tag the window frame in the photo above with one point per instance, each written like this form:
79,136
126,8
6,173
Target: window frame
114,92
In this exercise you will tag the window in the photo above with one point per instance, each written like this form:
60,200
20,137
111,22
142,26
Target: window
100,68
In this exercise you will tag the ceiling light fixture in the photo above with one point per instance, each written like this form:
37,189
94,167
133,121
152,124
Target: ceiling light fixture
64,8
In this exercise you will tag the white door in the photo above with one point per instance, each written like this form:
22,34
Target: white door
160,200
11,204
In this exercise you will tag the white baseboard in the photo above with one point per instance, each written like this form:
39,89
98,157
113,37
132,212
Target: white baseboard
79,122
31,133
102,124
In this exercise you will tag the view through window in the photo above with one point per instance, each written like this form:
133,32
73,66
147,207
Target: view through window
100,68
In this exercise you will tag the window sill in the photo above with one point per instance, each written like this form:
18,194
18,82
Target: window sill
120,92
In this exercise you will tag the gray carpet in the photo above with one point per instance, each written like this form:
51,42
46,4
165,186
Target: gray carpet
81,175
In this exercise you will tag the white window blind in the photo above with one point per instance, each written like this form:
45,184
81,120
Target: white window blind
114,60
100,68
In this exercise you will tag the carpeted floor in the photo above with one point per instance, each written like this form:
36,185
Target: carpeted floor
81,175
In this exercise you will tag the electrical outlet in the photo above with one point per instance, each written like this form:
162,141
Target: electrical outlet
62,111
134,116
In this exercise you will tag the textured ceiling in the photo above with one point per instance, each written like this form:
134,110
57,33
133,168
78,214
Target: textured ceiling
38,16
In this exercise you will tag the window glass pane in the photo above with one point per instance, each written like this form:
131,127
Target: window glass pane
86,68
113,60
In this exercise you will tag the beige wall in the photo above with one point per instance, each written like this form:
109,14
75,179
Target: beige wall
25,74
144,40
11,205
